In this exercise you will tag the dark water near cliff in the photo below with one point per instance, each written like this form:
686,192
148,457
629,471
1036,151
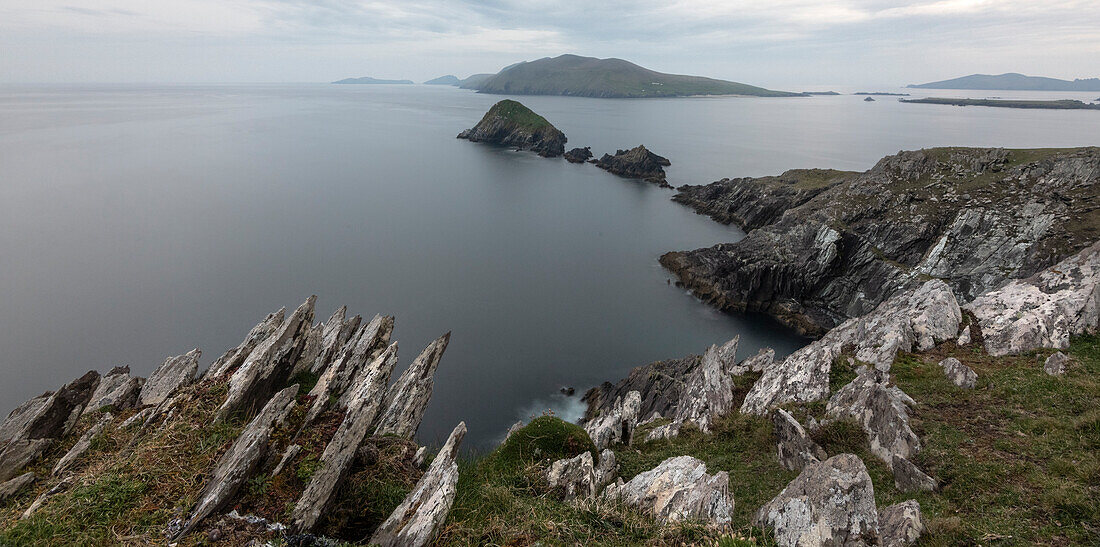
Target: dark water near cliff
139,221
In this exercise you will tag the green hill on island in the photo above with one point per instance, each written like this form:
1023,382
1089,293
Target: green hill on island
609,78
369,80
1013,82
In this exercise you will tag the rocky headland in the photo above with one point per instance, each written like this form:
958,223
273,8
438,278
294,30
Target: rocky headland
509,123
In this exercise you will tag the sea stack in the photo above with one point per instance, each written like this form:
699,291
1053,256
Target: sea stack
509,123
639,163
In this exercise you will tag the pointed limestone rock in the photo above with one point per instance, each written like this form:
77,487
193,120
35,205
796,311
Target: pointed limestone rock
311,349
82,445
882,410
21,416
13,486
408,397
337,331
676,490
708,393
289,454
116,389
909,478
794,446
419,519
900,524
363,405
617,424
270,364
45,423
361,348
235,357
757,363
174,373
574,477
239,462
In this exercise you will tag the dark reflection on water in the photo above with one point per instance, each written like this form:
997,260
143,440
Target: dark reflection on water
138,222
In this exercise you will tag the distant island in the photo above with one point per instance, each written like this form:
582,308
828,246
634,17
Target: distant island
449,79
578,76
1052,105
475,80
830,93
369,80
1013,82
882,94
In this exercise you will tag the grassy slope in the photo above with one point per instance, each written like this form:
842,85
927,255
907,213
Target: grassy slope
518,114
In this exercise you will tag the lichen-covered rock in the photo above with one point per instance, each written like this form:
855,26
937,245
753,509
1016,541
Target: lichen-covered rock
13,486
1044,310
958,373
883,412
900,524
794,447
574,477
607,470
964,337
678,489
509,123
617,424
335,334
419,519
361,348
659,385
909,478
174,373
235,357
366,393
1055,365
708,390
408,397
82,445
637,163
41,423
757,363
239,462
911,321
116,389
829,503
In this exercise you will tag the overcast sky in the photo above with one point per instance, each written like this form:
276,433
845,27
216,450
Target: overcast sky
776,43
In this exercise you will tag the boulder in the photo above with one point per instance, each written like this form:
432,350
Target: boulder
911,321
617,424
364,402
240,461
882,411
1044,310
909,478
574,477
174,373
958,373
794,447
509,123
82,445
418,520
964,337
636,163
579,155
1055,365
678,489
13,486
900,524
116,389
235,357
829,503
408,397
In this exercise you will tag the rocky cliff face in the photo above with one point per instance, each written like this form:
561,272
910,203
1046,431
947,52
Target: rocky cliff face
509,123
825,246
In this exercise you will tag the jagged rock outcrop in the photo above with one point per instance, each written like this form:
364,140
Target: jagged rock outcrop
829,503
239,462
972,217
335,334
509,123
1044,310
173,374
234,358
678,489
574,477
366,393
636,163
419,519
909,478
911,321
13,486
751,203
22,415
42,422
900,524
361,348
407,398
607,470
268,365
82,445
794,447
958,373
659,385
116,389
883,412
1055,365
579,155
757,363
617,424
708,390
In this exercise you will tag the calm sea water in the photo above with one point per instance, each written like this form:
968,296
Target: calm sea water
138,222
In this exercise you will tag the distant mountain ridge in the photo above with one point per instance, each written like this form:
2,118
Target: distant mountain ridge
1013,82
449,79
574,75
369,80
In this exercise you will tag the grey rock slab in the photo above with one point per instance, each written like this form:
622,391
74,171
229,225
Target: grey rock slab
13,486
914,320
883,412
1044,310
1055,365
138,418
708,390
607,470
21,416
958,373
289,454
41,499
574,477
678,489
363,346
235,357
909,478
174,373
44,422
617,424
116,389
964,337
242,458
82,445
757,363
900,524
794,447
334,336
408,397
363,406
418,520
829,503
